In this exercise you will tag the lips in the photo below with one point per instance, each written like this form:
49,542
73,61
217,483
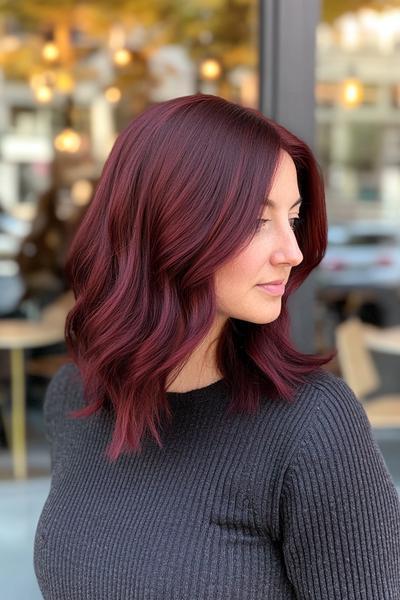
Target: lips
273,288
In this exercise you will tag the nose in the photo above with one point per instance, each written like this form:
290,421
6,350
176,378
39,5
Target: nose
286,249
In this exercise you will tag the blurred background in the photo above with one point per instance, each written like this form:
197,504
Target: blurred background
74,73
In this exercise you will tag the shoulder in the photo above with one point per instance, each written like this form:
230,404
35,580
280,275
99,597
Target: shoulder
324,418
302,442
334,402
327,395
338,431
338,455
323,402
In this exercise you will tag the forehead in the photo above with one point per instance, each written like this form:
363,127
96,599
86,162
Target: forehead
284,186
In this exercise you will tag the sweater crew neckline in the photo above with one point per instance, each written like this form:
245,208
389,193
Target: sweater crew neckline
210,390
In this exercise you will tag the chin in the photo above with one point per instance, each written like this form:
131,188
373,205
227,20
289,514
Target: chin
263,319
258,314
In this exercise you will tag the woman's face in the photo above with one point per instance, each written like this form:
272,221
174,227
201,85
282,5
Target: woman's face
269,257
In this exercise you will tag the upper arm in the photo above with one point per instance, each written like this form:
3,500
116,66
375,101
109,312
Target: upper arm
339,509
53,409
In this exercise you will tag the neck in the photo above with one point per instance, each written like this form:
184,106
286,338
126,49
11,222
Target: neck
200,369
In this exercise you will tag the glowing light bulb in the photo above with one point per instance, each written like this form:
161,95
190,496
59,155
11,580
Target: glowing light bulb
68,141
122,57
210,69
50,52
43,94
352,92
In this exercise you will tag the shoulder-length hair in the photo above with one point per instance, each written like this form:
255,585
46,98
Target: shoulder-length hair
179,195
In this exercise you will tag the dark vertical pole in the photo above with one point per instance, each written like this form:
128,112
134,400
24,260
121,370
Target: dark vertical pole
287,80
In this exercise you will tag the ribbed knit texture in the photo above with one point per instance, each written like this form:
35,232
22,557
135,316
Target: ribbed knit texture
292,502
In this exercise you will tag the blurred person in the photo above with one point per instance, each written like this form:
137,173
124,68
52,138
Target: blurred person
41,261
196,453
42,253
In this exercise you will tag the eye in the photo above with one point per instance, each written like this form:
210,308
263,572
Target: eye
295,222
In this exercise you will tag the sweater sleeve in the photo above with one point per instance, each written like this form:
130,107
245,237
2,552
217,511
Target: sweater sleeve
340,511
53,410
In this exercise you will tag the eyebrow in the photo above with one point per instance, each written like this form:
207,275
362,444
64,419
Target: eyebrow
272,204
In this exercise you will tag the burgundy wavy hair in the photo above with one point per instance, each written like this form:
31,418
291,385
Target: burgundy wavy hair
179,195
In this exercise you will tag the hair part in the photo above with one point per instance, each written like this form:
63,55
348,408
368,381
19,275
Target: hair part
179,195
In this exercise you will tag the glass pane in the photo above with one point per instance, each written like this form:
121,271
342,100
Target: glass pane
73,74
358,108
358,144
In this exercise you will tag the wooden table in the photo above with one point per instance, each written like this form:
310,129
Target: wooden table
383,340
16,335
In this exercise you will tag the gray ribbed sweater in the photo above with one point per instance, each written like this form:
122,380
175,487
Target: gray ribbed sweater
292,502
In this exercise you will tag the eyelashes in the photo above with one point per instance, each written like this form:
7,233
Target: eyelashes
294,223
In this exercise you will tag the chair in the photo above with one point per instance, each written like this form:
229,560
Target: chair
359,372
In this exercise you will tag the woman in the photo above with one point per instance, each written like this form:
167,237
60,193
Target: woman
195,452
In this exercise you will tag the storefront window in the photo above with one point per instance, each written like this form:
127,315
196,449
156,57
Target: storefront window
75,73
357,113
72,75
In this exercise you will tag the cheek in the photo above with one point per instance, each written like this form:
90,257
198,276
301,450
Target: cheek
242,271
250,263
